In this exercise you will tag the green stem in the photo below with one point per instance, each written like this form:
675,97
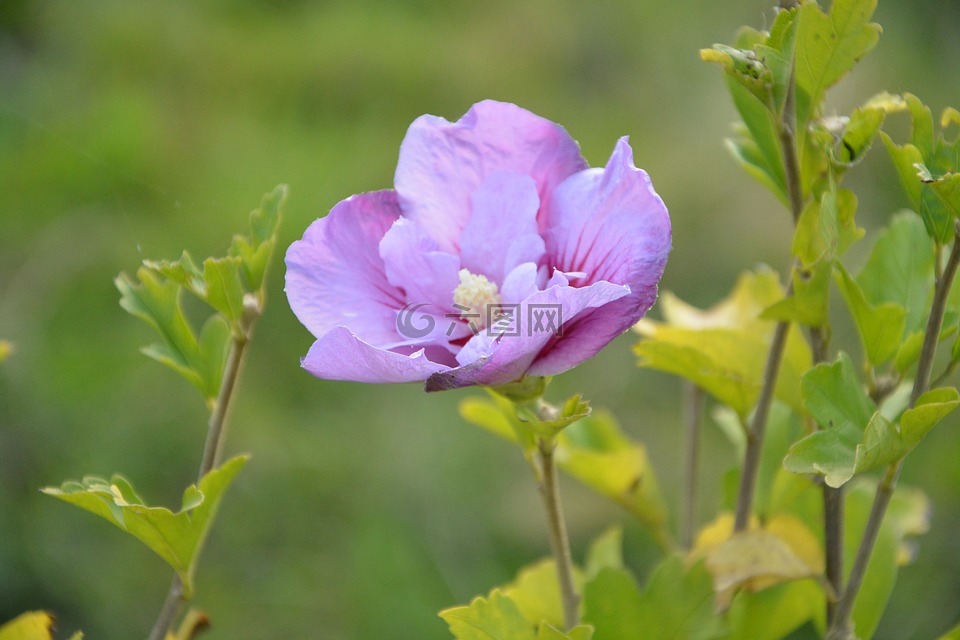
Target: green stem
169,611
218,417
841,629
211,452
833,544
693,414
559,541
758,426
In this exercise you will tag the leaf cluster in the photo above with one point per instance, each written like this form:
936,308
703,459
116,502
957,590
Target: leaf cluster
230,286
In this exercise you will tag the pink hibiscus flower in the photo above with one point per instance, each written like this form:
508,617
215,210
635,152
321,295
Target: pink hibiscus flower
498,255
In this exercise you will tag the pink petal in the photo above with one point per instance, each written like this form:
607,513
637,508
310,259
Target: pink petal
441,164
612,225
341,355
502,231
414,265
335,276
506,358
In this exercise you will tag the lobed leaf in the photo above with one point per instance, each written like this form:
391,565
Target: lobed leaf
828,46
840,452
722,349
676,603
493,618
879,326
32,625
175,537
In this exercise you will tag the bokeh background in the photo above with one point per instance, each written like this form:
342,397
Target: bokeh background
133,130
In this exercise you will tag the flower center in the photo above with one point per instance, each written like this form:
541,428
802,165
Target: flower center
473,296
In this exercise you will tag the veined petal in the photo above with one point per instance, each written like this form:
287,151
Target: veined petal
341,355
441,163
506,358
612,225
502,230
414,265
590,332
335,275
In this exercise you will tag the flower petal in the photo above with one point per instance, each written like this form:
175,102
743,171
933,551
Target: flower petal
414,265
335,276
341,355
502,231
506,358
612,225
441,163
587,335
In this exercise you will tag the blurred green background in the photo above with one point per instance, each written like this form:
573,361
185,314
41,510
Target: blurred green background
133,130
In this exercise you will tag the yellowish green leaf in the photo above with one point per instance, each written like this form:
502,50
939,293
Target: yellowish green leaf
493,618
175,537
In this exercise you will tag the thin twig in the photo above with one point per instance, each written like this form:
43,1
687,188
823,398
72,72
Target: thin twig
218,418
841,627
211,453
693,413
168,613
559,541
758,427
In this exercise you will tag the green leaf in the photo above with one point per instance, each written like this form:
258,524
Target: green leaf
549,632
596,452
33,625
493,618
605,551
183,271
222,277
775,612
809,303
880,326
947,188
953,634
536,593
547,422
834,397
858,135
762,132
612,604
900,269
723,349
840,452
677,603
175,537
747,557
256,250
916,162
828,47
158,304
930,408
827,228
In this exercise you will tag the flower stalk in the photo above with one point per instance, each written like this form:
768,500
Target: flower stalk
559,540
211,453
